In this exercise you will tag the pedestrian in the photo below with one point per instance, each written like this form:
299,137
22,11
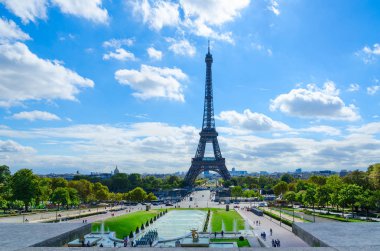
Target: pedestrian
278,244
215,234
114,244
271,232
150,243
222,233
273,243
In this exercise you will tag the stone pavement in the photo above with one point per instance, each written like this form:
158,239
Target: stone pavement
286,237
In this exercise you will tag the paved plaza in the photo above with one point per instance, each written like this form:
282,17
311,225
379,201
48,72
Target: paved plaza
283,233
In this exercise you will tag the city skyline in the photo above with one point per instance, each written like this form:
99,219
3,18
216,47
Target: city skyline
89,87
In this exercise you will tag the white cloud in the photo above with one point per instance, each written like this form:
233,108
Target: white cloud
370,129
158,15
202,18
10,31
142,147
181,47
261,48
119,54
90,9
273,6
368,54
372,90
154,82
10,146
251,120
27,10
25,76
31,10
353,88
328,130
117,43
314,102
154,54
35,115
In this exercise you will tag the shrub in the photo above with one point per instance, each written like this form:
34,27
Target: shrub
131,235
137,230
241,238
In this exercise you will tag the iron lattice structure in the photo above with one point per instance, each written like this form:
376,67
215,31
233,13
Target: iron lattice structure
200,163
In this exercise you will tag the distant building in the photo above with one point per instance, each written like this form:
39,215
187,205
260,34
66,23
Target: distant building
298,171
235,172
343,172
116,171
263,173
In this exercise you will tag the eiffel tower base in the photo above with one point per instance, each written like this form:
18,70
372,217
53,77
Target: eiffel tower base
199,166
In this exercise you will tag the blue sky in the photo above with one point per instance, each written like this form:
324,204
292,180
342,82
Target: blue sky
87,85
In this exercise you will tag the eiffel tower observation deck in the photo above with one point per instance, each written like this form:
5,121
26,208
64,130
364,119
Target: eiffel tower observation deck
200,163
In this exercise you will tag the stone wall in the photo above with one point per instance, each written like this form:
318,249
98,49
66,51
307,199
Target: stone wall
60,240
307,237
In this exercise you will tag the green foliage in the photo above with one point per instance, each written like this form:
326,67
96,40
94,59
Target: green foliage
24,186
275,216
287,178
280,188
236,191
374,175
61,196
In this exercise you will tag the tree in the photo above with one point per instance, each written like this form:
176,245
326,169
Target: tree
349,195
322,195
317,180
151,197
5,186
61,196
250,193
58,182
236,191
84,188
74,196
287,178
44,190
290,197
25,186
280,188
374,175
309,197
358,178
334,184
137,195
100,191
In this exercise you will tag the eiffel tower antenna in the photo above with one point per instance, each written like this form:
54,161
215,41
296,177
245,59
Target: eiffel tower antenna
200,163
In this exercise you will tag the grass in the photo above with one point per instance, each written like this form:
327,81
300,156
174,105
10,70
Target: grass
275,216
338,218
221,215
124,224
243,243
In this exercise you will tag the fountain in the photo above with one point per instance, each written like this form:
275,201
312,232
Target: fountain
223,226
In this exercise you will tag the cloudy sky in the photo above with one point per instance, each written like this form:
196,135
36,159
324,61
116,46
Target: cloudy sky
87,85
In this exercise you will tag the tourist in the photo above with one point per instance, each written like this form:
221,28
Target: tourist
114,244
271,232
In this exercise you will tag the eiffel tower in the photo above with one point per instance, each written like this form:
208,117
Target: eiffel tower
200,163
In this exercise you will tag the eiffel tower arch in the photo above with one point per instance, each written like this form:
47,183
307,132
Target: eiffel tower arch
200,163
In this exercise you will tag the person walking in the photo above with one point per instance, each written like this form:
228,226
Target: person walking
271,232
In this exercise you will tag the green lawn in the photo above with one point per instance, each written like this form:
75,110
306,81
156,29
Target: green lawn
239,243
221,215
124,224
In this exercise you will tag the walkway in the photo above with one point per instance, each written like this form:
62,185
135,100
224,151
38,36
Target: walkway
283,233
